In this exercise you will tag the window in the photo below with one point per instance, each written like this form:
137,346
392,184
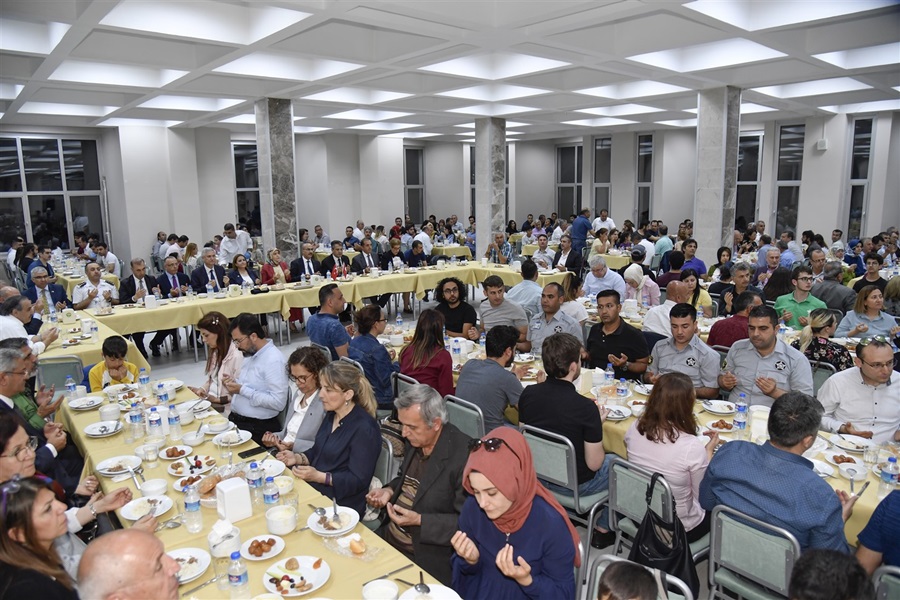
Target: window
568,180
859,175
602,173
472,183
49,190
749,148
414,174
246,184
644,178
790,169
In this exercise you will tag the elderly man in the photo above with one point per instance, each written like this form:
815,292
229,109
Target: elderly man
142,568
686,353
324,327
543,256
306,265
425,237
657,318
550,320
727,331
763,272
260,393
423,502
817,262
832,290
15,313
133,289
741,274
459,316
774,483
52,297
865,400
33,407
210,273
601,278
527,293
499,310
359,230
42,260
794,308
616,342
500,251
763,367
95,292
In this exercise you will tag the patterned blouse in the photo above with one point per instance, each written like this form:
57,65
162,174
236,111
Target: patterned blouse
824,350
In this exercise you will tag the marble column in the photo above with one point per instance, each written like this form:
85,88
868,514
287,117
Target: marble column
275,152
490,181
718,132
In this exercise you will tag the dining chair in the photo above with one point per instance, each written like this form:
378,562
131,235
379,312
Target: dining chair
467,417
676,589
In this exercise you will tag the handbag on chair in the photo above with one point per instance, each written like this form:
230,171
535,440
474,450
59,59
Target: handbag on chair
664,546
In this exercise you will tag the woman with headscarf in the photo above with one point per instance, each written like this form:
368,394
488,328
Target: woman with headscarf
275,270
514,539
836,252
640,287
855,258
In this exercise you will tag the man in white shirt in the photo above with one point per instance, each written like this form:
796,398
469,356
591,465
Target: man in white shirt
543,256
232,245
864,400
657,318
603,221
649,249
601,278
15,312
107,259
321,238
425,237
164,247
95,291
11,253
359,231
560,230
527,293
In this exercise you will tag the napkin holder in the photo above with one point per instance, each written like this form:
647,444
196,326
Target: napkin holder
234,290
150,301
233,499
67,316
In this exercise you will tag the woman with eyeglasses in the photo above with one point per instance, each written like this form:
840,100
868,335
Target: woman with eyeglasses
376,360
867,319
305,411
341,463
514,539
224,360
815,344
425,358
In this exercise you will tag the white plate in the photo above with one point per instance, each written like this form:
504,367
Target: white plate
204,429
822,469
618,413
103,429
273,467
202,406
128,460
850,443
313,521
242,433
119,388
643,388
275,551
816,448
176,487
718,407
186,471
187,450
523,358
830,454
190,572
436,592
86,403
139,507
171,386
317,577
720,429
595,391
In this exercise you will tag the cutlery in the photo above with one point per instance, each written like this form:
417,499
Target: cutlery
335,516
388,574
201,586
852,483
134,478
405,582
865,485
420,587
194,403
829,442
170,524
642,389
320,512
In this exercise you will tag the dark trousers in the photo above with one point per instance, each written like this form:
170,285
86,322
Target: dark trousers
256,427
161,336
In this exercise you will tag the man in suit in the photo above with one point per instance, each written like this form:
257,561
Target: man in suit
171,284
336,258
133,289
424,501
567,258
364,262
52,297
210,272
306,264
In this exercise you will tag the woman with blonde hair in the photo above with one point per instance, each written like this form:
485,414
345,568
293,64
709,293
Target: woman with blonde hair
814,342
190,258
341,463
892,297
572,306
640,287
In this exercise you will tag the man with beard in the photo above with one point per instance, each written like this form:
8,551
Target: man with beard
459,316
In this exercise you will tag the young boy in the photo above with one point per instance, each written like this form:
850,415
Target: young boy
113,369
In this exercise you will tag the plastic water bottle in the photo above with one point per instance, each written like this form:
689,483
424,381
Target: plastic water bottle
238,580
482,340
457,351
209,288
270,492
398,324
193,518
446,341
95,333
132,434
782,328
740,418
70,388
162,395
144,381
609,375
190,294
154,423
255,481
174,424
245,285
888,478
621,389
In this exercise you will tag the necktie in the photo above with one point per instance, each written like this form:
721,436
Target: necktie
140,284
212,279
48,302
369,260
174,284
309,268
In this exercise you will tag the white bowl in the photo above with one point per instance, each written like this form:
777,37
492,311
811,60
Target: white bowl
193,438
637,409
380,589
186,417
861,473
218,424
281,520
285,484
154,487
397,340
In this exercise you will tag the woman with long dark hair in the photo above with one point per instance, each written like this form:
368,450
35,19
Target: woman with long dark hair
699,298
224,359
778,284
425,359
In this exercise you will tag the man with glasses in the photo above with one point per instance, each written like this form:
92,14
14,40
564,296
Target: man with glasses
34,407
865,400
601,278
459,316
260,393
817,262
794,308
47,297
17,312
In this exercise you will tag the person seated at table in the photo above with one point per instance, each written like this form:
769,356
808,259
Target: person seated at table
832,291
624,580
640,287
459,316
769,262
15,313
224,360
723,259
528,235
664,440
52,296
794,308
335,259
113,369
879,541
306,264
376,360
567,258
600,245
571,305
425,236
350,241
685,353
724,280
550,320
305,411
740,274
514,539
170,284
776,484
325,328
211,272
726,332
416,256
425,359
539,227
657,318
142,568
499,252
499,310
34,407
275,271
699,298
543,256
527,293
601,278
829,575
616,342
341,463
242,274
815,344
867,319
675,260
892,297
874,261
94,292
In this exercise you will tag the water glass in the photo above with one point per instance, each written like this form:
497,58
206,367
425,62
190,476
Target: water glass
151,456
225,451
870,455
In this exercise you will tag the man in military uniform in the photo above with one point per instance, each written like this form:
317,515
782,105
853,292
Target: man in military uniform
95,291
686,353
551,320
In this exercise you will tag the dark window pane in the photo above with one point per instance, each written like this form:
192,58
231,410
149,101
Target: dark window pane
48,220
12,221
10,176
601,199
566,164
746,203
857,203
643,204
414,166
786,212
472,166
82,170
862,148
86,215
603,160
247,205
246,167
645,159
415,204
748,158
41,159
790,153
565,201
578,163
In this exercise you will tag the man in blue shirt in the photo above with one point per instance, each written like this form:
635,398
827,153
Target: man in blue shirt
351,240
324,327
879,542
580,229
775,484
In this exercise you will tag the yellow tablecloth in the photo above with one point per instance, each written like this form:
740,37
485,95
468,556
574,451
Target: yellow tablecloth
452,251
515,237
90,353
427,278
617,262
69,283
511,277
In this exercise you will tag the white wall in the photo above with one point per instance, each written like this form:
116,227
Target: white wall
535,179
215,180
624,176
674,172
381,180
312,183
447,190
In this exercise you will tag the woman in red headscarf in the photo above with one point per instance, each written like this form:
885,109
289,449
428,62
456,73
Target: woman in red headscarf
514,539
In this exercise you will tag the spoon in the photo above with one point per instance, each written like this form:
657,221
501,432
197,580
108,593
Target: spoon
171,523
852,473
420,587
320,512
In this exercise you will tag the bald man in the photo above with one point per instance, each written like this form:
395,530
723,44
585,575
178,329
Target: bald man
142,568
657,318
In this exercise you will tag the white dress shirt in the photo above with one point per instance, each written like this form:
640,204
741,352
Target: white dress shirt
82,290
229,248
599,223
657,319
847,398
11,327
300,408
427,245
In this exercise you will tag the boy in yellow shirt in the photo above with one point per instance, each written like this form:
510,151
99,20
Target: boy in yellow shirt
114,368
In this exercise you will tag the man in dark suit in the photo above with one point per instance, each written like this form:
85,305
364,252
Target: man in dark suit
133,289
424,501
200,276
572,261
45,296
171,284
306,264
336,257
363,263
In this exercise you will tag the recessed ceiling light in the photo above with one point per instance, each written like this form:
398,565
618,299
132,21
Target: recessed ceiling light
680,123
713,55
813,88
752,15
494,92
604,122
240,119
468,141
747,108
492,110
384,126
10,91
195,103
83,71
364,114
619,110
410,135
121,122
303,129
864,107
69,110
508,124
283,66
356,96
633,89
860,58
31,38
495,65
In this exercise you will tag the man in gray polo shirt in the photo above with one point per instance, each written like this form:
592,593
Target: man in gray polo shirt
500,311
685,353
551,320
763,367
487,383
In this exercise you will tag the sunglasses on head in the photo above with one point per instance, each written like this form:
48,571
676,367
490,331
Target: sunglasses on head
11,488
491,445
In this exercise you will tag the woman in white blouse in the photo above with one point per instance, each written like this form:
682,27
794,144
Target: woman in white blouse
305,411
224,359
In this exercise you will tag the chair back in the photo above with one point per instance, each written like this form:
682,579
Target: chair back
655,261
628,497
401,382
465,415
54,370
821,371
652,338
723,352
323,349
757,553
886,580
676,588
553,456
355,363
385,467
